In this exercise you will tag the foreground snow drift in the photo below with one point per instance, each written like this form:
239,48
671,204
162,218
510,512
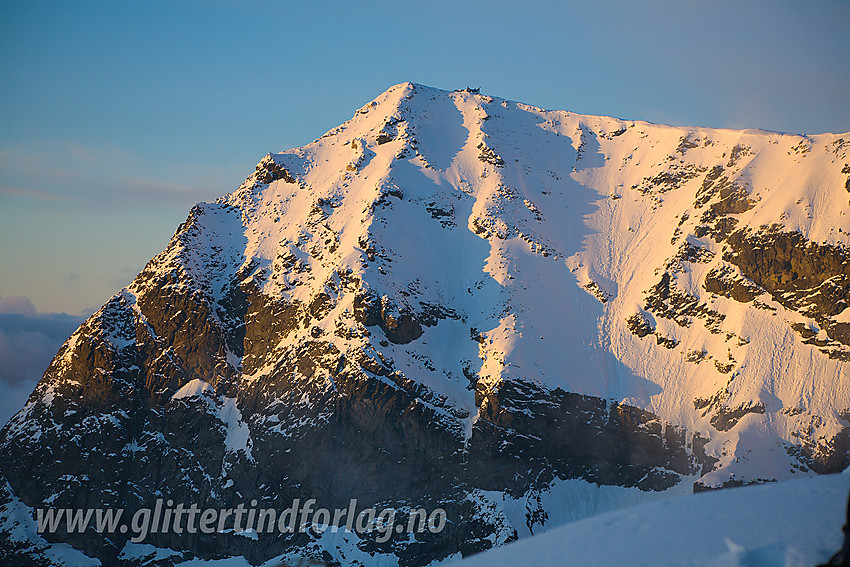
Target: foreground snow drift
781,524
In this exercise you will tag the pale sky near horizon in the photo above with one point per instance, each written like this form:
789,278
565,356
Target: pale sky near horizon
116,117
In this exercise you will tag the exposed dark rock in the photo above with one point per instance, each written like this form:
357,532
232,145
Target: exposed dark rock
738,152
573,436
442,213
687,142
826,455
726,418
724,281
666,342
599,293
673,178
809,336
665,300
400,324
696,356
732,198
268,170
389,131
699,486
690,253
487,155
639,325
708,190
717,227
812,279
487,227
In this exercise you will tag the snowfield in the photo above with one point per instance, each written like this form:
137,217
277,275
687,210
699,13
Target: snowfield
788,524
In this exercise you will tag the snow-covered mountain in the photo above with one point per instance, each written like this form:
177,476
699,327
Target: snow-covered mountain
452,300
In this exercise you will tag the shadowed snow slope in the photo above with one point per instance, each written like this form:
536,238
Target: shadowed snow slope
790,524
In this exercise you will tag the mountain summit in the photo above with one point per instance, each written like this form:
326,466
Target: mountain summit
452,300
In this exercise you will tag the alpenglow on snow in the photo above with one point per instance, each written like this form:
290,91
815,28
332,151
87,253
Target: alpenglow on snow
520,316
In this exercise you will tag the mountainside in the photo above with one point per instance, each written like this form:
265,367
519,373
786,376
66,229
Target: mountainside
521,316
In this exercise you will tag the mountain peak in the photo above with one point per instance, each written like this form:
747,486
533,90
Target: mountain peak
474,304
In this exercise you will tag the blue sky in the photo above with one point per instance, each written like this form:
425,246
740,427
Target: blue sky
116,117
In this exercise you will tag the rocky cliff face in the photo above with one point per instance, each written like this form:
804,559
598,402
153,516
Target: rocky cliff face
452,300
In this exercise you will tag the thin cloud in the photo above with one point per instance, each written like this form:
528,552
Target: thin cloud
91,154
92,176
155,188
28,193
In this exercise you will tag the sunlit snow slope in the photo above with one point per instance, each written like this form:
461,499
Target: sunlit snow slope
545,232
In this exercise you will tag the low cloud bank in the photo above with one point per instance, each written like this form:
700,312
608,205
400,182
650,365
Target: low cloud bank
28,342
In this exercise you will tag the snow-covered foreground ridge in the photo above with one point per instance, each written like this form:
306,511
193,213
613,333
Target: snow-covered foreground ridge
460,301
788,524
